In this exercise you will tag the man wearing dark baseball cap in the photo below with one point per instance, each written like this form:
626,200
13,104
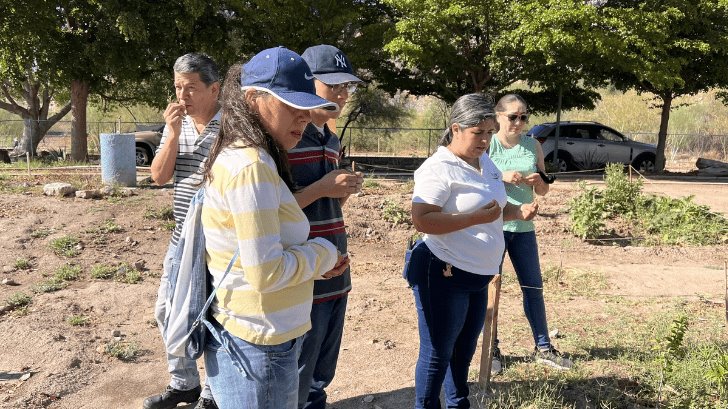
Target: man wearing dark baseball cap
323,189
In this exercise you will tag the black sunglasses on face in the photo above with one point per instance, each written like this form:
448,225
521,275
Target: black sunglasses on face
513,117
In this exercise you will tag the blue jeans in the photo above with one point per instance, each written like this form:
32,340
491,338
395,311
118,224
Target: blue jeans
319,352
450,315
522,249
184,373
246,375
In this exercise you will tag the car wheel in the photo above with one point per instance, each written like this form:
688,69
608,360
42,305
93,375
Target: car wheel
644,163
563,163
143,156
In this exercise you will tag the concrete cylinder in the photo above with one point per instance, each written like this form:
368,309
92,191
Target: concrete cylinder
118,159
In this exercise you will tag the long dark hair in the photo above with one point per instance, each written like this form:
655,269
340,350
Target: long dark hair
240,122
469,110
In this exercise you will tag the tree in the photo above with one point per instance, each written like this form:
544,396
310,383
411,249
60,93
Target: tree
672,48
28,84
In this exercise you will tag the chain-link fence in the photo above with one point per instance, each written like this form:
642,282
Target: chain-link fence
408,142
421,142
58,137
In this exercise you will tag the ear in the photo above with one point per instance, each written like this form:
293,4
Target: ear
215,88
251,98
454,128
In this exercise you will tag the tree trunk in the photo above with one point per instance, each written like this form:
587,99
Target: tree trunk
662,134
79,136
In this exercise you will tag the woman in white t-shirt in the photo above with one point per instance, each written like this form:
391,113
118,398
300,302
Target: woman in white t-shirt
459,202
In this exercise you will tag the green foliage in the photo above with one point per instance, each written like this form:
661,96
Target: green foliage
394,213
128,274
370,183
162,213
681,221
65,246
68,272
59,280
41,233
22,264
50,285
670,348
103,271
662,220
621,196
109,226
586,212
122,350
18,300
78,320
718,373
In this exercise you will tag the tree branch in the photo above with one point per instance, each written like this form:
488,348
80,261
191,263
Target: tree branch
11,105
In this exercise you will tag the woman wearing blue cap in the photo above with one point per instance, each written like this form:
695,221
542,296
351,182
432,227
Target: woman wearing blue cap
263,306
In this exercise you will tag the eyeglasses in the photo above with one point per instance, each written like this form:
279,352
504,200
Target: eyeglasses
350,87
513,117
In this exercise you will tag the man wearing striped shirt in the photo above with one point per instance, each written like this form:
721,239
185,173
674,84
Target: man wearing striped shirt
192,124
323,189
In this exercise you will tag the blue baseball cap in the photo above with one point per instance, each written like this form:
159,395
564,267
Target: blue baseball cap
285,75
329,65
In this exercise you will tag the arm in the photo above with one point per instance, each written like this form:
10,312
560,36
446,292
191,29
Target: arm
253,198
525,211
337,184
430,219
163,163
539,186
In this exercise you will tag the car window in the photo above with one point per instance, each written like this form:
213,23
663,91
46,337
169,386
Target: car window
608,135
580,132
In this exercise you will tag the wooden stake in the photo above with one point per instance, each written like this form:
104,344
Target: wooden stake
27,160
489,331
353,166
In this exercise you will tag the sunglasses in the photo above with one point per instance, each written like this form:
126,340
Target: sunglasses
513,117
350,87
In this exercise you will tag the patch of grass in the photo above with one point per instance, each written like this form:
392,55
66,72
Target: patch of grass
22,264
78,320
169,226
68,272
109,226
394,213
162,213
18,300
128,274
370,183
103,271
41,233
122,350
50,285
65,246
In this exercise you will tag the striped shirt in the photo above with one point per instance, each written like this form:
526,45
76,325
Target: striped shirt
266,297
193,151
316,155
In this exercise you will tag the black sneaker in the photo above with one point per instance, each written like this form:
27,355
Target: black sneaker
171,397
496,364
553,358
205,403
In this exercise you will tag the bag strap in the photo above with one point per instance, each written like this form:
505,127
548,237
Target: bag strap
214,290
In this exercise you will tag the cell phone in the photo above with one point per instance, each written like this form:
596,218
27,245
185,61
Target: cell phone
548,179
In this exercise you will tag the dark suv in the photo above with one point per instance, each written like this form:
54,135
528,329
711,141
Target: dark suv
591,145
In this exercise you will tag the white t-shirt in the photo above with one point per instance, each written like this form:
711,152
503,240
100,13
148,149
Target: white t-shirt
449,182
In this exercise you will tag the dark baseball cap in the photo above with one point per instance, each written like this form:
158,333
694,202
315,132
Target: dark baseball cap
329,65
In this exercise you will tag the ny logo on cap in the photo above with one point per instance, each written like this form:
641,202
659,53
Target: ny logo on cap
340,62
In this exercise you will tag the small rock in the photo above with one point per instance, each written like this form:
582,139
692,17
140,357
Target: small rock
116,333
554,334
107,190
88,194
75,363
58,189
25,376
78,246
369,398
128,239
8,269
9,281
140,265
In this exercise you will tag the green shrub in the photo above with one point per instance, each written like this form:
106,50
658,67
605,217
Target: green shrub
394,213
22,264
50,285
125,351
128,274
68,272
164,213
65,246
681,221
586,212
78,320
18,300
102,271
621,196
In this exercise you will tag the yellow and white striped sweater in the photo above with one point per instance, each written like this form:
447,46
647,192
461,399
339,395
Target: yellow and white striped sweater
266,297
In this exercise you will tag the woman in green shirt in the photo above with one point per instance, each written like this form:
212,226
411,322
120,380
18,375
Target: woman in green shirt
520,158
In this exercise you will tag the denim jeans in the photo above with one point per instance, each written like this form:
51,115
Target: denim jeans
184,373
450,315
320,351
522,249
246,375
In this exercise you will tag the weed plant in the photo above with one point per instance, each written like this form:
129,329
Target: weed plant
41,233
164,213
124,351
22,264
65,246
662,220
103,271
394,213
18,300
78,320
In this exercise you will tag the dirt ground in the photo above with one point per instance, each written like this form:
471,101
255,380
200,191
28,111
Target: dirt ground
69,368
